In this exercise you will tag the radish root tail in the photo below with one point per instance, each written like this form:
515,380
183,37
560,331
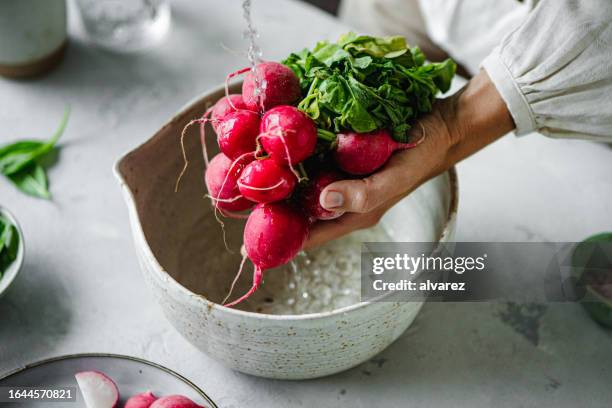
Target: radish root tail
203,120
223,200
216,200
244,258
280,133
203,135
280,183
421,139
233,215
257,279
227,81
293,170
259,148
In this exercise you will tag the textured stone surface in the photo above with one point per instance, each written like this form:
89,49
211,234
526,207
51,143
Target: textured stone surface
81,288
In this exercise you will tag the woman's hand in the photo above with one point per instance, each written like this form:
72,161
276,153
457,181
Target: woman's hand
458,127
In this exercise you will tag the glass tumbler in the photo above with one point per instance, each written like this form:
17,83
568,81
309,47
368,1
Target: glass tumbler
125,25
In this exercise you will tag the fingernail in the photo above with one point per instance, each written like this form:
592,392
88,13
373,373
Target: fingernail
332,199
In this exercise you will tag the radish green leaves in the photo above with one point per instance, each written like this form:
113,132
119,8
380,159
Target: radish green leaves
364,83
9,244
21,161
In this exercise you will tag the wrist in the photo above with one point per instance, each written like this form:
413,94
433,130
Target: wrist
475,117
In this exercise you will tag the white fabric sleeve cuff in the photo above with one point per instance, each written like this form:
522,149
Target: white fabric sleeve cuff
510,92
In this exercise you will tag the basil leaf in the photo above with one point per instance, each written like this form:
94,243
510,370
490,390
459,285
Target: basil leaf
16,156
32,180
21,162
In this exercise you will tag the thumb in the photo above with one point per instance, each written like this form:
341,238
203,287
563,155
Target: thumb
398,177
357,196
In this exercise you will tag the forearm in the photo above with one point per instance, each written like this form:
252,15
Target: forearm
475,117
458,127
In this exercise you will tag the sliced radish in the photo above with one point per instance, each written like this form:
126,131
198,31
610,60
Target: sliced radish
143,400
98,390
175,401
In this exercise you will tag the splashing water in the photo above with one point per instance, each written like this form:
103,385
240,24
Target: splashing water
322,280
254,53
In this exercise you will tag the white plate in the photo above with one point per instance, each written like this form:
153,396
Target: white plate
132,376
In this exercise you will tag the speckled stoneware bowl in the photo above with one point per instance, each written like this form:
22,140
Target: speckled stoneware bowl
181,251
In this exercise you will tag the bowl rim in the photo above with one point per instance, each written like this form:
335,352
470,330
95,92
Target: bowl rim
8,276
212,306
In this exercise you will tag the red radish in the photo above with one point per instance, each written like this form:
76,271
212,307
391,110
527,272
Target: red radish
237,133
226,105
364,153
222,183
98,390
264,181
310,196
175,401
143,400
288,135
273,235
278,85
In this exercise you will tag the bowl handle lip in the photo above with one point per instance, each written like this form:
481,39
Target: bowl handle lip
190,105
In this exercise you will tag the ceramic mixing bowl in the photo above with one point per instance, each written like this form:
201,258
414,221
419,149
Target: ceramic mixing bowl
181,251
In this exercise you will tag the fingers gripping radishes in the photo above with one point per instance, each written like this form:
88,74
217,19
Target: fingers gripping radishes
311,194
98,390
226,105
273,235
288,135
264,181
143,400
222,182
175,401
364,153
237,133
278,85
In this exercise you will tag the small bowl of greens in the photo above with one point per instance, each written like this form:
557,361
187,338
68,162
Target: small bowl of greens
11,249
592,266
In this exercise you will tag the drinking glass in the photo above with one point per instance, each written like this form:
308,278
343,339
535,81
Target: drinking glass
125,25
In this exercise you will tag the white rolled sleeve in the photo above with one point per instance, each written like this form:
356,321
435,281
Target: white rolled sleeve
555,70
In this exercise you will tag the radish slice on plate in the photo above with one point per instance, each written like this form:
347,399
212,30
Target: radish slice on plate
143,400
98,390
175,401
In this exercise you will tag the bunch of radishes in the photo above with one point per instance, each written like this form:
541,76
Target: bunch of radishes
265,142
100,391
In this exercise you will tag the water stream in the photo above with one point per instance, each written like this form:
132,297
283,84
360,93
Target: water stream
254,52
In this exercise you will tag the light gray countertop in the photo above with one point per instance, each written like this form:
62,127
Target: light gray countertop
81,289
